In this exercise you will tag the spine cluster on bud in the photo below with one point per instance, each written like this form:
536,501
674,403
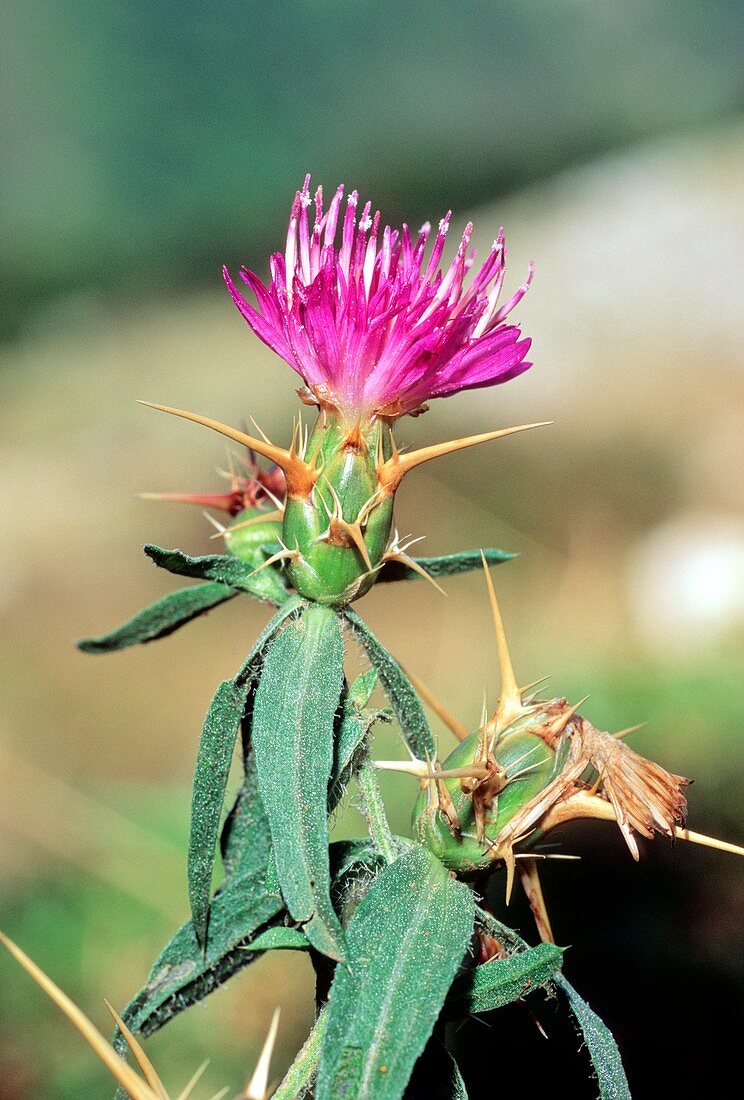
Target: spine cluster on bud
340,485
531,767
337,531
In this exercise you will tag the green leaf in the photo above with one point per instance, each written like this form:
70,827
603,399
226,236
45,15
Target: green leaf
405,943
398,689
436,1075
184,974
213,761
361,690
245,908
293,726
351,734
246,918
446,565
161,618
265,584
501,981
601,1045
279,938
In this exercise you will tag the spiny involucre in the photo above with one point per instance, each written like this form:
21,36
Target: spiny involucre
375,328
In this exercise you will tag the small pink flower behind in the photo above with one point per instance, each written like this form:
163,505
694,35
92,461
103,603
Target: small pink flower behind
373,326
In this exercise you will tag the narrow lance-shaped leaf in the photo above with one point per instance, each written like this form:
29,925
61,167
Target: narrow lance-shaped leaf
161,618
601,1045
246,908
605,1056
246,919
501,981
293,725
398,689
352,727
405,942
446,565
265,584
213,761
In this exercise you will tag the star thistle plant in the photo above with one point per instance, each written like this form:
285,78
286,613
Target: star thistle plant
398,929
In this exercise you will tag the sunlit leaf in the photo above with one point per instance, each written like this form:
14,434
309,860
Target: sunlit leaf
447,565
404,700
265,584
406,940
293,726
161,618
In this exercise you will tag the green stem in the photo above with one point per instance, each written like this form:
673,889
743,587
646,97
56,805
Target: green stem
374,811
300,1074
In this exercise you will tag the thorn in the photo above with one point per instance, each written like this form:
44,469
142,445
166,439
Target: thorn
278,504
219,527
261,432
391,473
708,841
340,527
532,888
534,684
411,563
263,517
258,1086
281,555
116,1066
419,768
300,477
423,771
366,510
223,501
509,862
449,720
560,723
144,1063
510,699
194,1081
628,730
472,771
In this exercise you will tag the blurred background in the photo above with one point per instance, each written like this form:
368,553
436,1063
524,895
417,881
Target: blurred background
144,145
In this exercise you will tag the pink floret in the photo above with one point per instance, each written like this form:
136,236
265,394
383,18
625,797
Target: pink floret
372,326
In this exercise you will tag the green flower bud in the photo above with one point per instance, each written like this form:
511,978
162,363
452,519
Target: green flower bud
337,532
250,531
459,817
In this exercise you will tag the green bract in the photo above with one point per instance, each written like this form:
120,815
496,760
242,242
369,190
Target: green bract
528,764
341,528
248,534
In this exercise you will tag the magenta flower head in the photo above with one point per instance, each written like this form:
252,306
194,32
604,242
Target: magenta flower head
372,325
375,327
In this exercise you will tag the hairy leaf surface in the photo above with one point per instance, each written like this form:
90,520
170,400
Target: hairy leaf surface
601,1045
293,726
447,565
214,757
406,940
398,689
161,618
501,981
265,584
